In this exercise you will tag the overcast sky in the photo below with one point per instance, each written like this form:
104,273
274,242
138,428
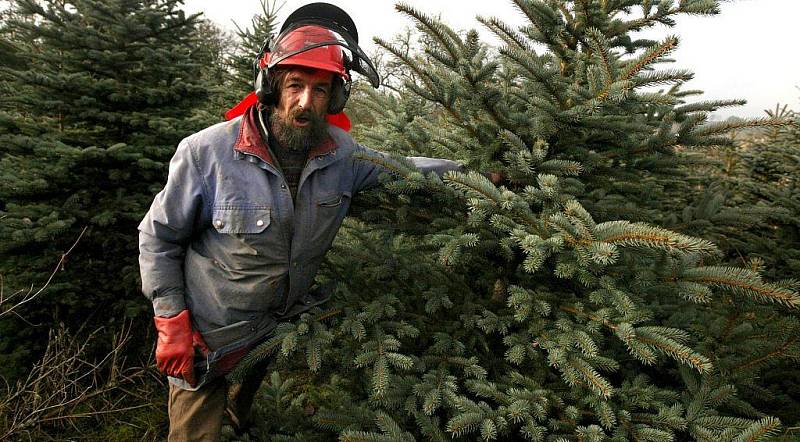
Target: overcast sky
748,51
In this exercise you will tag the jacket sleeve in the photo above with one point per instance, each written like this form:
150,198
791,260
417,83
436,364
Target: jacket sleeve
367,172
165,231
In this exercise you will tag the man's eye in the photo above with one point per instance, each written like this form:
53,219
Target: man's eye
321,90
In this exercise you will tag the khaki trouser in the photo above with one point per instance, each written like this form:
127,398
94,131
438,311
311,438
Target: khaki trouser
197,415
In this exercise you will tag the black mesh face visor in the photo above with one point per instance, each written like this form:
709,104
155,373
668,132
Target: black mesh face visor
289,44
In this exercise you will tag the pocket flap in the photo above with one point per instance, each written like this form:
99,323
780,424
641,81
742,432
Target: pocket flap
333,200
241,220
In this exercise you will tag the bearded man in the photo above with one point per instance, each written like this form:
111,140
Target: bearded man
231,245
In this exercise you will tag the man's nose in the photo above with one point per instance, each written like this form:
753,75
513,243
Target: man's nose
305,98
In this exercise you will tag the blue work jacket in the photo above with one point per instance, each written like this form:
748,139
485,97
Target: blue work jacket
225,239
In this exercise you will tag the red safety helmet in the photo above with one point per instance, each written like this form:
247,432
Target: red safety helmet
320,36
293,50
340,30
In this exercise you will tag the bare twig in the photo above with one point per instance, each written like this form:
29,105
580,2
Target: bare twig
30,295
63,387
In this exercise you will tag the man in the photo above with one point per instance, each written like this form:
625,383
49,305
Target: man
232,243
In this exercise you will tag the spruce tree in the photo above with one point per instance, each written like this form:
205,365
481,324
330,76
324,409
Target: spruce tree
541,309
230,72
100,92
250,41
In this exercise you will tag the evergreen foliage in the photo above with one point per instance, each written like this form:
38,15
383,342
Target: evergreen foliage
762,169
99,94
551,307
230,73
250,41
756,179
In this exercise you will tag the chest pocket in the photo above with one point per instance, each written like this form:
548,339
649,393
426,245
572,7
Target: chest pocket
247,237
240,220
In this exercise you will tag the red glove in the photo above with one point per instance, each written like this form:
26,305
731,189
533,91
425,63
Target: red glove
175,346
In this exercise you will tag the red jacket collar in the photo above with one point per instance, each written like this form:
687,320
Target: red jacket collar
250,142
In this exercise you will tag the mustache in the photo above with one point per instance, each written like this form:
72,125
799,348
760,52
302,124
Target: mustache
308,114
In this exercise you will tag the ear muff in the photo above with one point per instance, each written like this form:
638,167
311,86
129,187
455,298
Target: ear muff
339,95
261,82
263,87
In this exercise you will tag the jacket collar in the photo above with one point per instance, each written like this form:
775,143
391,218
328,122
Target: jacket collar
249,140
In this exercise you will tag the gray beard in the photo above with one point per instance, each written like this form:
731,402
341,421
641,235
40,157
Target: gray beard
299,139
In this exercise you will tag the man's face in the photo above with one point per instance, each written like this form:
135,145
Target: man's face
298,120
304,89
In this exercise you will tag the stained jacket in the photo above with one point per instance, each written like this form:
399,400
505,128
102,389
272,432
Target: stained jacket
225,239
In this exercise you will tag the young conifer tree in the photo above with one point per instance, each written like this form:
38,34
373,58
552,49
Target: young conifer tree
98,97
540,309
250,41
234,60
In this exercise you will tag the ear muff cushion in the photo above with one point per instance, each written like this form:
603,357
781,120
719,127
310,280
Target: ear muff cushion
261,80
264,88
341,92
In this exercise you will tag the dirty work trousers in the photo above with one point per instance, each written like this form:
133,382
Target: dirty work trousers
197,415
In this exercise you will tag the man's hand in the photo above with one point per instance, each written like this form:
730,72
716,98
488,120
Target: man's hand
496,178
175,346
